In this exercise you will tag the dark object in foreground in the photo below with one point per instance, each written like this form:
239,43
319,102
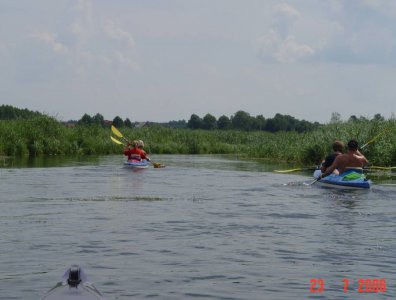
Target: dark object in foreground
74,285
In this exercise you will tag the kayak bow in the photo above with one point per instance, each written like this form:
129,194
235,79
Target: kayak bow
74,285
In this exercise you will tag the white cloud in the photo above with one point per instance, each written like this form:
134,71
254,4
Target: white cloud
51,40
273,47
280,44
89,45
286,10
118,34
349,32
291,51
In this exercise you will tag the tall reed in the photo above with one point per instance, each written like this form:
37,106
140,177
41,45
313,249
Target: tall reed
46,136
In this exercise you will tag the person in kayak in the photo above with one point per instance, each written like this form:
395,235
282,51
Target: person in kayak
353,159
338,147
134,153
141,145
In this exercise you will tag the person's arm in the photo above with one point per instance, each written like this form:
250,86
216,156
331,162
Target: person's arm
361,157
330,169
144,155
322,166
326,163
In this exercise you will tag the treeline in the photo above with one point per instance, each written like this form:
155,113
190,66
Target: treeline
242,120
98,119
8,112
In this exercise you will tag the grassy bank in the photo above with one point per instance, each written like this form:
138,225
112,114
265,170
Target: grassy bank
46,136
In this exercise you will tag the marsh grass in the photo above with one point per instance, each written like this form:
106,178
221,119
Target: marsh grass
46,136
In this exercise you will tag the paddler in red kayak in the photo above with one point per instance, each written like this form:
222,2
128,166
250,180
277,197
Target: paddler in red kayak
141,145
136,152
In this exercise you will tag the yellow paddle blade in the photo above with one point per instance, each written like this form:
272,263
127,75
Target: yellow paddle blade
158,165
116,141
116,131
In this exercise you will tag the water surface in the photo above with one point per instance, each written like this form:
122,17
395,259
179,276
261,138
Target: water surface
204,227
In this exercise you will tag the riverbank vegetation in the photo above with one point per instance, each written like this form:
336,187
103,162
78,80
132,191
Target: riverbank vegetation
43,135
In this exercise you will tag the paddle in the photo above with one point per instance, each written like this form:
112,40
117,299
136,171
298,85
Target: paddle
315,168
379,168
374,138
120,135
297,169
117,141
316,180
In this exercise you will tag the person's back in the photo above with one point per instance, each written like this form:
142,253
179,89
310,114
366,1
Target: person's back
352,159
135,152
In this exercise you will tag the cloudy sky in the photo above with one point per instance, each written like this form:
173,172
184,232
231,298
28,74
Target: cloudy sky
162,60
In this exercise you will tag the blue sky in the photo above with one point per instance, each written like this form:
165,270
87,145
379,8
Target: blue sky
162,60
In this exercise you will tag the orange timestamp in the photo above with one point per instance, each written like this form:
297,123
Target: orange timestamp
365,285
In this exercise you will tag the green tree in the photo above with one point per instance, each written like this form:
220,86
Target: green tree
176,124
85,120
378,117
195,122
8,112
128,123
241,120
278,123
209,122
335,118
224,123
98,119
258,123
118,122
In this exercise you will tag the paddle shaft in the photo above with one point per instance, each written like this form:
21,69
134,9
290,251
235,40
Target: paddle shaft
376,137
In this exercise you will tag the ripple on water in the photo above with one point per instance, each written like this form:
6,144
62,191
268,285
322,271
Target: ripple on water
205,230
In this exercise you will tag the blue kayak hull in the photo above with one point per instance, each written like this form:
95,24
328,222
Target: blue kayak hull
137,164
342,181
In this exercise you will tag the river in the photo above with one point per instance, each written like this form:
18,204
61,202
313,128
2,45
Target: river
203,227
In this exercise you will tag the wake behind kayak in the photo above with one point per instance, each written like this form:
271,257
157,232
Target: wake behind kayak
74,285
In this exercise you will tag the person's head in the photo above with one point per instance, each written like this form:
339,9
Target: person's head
140,143
353,145
338,146
135,143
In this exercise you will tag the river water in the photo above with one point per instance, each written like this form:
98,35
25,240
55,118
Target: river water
204,227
